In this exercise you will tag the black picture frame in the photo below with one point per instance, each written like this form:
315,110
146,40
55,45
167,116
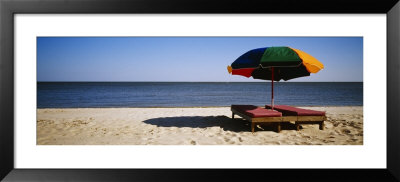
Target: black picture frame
8,8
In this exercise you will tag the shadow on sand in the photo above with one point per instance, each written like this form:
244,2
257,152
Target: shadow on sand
224,122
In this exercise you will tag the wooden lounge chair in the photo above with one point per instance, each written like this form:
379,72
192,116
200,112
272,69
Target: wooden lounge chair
301,116
257,115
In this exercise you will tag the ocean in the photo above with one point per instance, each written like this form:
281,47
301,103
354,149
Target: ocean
195,94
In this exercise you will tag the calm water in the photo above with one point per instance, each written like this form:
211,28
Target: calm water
185,94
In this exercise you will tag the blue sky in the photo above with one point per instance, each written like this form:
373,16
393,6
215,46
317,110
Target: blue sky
184,58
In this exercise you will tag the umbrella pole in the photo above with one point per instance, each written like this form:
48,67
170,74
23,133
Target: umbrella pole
272,88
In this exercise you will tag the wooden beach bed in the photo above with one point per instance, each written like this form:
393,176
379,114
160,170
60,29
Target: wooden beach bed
257,115
301,116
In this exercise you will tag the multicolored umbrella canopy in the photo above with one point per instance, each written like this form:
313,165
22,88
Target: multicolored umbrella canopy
275,64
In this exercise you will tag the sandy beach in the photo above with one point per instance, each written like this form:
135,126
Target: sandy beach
188,126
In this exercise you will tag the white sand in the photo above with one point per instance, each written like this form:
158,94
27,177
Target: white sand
188,126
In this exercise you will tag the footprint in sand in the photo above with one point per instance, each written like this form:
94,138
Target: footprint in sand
232,135
226,139
328,141
193,142
336,124
346,131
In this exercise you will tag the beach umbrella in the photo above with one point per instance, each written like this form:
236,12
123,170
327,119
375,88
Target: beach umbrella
275,64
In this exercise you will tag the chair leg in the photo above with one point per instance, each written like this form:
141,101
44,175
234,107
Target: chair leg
252,127
278,127
321,125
